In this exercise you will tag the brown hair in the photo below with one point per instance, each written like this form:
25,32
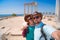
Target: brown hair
26,16
38,13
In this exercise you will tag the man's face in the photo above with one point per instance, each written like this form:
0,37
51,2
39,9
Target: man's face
37,19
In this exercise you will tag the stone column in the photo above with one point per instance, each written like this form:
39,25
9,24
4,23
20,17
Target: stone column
58,13
58,10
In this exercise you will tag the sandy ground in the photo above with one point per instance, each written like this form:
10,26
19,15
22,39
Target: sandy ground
12,25
15,24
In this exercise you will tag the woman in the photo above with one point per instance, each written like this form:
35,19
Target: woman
29,33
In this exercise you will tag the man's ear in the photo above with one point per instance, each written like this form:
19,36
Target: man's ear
40,18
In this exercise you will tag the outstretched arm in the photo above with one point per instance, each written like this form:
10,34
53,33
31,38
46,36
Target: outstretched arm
56,35
49,30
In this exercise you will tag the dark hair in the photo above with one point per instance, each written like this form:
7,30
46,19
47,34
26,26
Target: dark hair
38,13
26,16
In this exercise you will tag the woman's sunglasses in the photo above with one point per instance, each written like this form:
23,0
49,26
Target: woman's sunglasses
30,18
36,17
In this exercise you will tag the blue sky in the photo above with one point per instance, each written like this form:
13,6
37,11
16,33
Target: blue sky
17,6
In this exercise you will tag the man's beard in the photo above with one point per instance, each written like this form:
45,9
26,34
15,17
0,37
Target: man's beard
37,22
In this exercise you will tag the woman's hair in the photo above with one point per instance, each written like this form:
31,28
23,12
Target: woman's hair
26,16
38,13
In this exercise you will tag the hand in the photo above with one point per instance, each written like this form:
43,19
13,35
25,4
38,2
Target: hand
56,35
24,27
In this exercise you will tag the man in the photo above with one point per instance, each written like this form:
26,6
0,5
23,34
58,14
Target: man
48,30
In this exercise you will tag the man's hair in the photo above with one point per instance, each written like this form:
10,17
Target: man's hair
26,16
38,13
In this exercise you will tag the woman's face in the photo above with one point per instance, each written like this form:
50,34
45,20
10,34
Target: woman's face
30,20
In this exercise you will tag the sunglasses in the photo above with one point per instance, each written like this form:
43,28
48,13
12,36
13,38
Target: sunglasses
36,17
30,18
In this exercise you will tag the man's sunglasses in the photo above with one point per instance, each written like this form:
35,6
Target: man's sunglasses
36,17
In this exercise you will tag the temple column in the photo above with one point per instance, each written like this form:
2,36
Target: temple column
58,13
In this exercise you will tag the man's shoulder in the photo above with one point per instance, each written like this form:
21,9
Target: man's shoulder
48,29
47,25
